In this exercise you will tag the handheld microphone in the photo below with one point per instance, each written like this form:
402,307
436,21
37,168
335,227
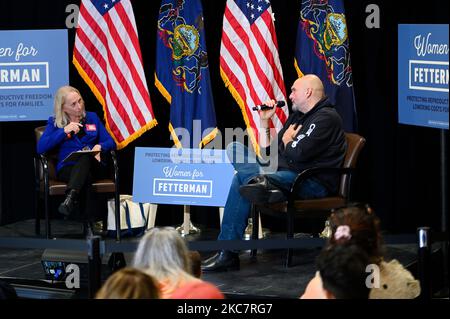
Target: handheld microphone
72,133
264,107
81,132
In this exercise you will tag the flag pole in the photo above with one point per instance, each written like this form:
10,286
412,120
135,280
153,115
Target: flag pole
444,204
187,228
1,182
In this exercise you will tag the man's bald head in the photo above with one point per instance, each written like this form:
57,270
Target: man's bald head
306,92
313,82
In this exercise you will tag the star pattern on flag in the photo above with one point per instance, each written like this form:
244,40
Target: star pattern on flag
103,6
254,8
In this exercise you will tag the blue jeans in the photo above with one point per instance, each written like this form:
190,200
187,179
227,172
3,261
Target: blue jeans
237,208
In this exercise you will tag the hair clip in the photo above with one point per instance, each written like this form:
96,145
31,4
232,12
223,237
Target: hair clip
342,232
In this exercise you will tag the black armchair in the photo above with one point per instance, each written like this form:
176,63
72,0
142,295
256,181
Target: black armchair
47,185
312,208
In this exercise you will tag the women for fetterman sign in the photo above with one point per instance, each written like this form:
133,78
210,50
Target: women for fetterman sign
423,75
33,65
200,177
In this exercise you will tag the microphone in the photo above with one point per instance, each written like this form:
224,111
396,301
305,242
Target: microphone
81,132
264,107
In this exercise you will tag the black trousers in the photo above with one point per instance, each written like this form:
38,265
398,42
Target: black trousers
80,177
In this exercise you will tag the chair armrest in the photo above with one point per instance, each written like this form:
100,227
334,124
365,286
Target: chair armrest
41,160
307,173
37,170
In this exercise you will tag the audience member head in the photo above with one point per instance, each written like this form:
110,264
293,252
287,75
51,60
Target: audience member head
129,283
68,106
342,269
163,254
357,224
196,263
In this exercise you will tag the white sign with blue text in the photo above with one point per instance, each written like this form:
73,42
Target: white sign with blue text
198,177
423,75
33,65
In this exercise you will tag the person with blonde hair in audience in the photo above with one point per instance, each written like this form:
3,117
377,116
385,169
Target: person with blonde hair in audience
358,225
163,254
129,283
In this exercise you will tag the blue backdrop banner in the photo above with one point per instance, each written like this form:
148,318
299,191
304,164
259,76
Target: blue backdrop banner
33,65
200,177
423,75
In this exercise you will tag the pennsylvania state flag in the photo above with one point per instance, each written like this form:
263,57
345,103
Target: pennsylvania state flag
182,74
323,49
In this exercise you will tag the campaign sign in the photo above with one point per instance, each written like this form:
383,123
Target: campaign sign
423,75
200,177
33,65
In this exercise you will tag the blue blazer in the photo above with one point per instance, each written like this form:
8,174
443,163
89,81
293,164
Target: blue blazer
54,137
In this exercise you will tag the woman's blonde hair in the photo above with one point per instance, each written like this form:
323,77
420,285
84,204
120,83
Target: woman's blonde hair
129,283
163,254
61,118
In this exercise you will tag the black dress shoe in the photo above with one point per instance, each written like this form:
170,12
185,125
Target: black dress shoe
260,191
67,206
222,261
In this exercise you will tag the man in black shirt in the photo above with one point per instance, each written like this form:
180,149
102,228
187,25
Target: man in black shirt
311,137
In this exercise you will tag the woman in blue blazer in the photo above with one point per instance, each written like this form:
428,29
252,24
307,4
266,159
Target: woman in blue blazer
71,129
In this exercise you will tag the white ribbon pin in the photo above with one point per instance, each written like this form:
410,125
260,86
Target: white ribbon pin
302,136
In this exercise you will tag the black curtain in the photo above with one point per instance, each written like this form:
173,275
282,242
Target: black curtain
398,172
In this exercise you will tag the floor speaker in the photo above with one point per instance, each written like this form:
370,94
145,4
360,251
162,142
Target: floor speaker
57,264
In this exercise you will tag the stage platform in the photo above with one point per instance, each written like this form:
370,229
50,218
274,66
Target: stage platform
264,278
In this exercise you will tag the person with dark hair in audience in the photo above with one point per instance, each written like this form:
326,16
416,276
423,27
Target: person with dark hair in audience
72,129
342,270
163,254
358,225
129,283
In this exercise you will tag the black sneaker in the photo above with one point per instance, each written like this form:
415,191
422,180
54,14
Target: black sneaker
224,260
261,191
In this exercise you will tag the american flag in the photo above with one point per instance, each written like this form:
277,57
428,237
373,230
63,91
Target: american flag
249,61
108,57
